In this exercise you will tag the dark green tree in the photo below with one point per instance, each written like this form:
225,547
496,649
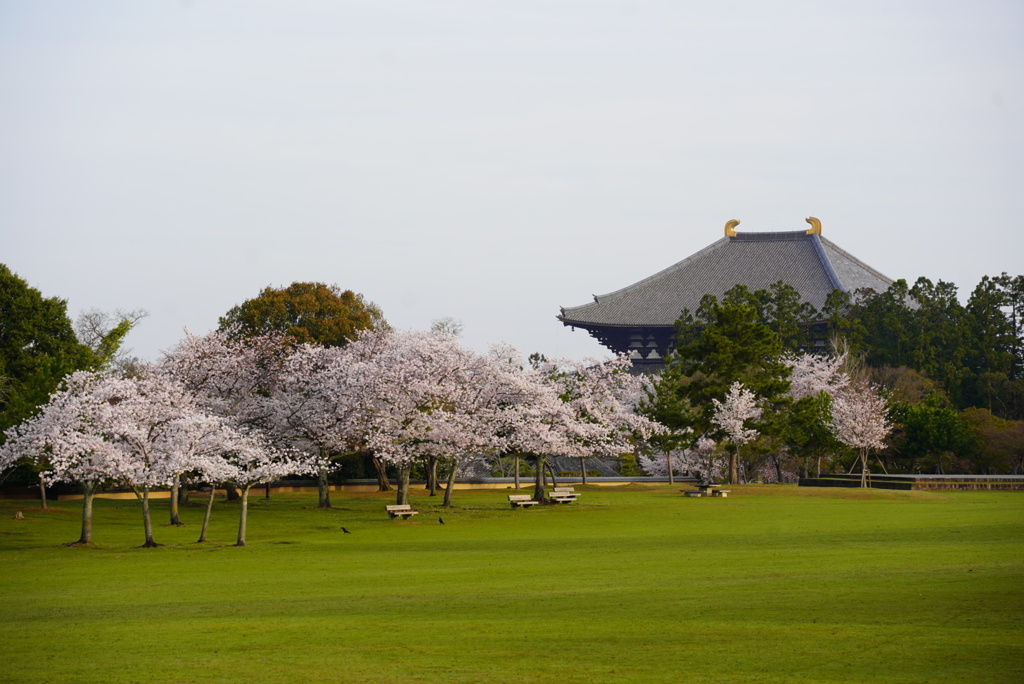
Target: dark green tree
789,318
1012,395
721,343
940,335
884,321
929,435
806,435
998,444
38,348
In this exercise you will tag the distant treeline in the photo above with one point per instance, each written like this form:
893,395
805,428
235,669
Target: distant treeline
952,373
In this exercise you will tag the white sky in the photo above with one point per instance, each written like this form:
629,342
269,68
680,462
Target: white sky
492,161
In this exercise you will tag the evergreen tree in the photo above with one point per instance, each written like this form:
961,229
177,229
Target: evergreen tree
721,344
940,335
38,348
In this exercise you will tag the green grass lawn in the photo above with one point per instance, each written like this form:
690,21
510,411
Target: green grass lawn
631,584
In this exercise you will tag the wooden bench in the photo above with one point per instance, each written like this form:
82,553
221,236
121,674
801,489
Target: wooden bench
706,491
563,495
521,500
402,511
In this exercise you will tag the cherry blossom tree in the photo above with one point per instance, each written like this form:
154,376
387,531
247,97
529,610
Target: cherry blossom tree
814,379
471,424
610,397
859,421
668,442
669,464
319,404
700,458
732,415
58,440
252,461
158,432
577,409
812,374
140,432
232,376
705,457
427,396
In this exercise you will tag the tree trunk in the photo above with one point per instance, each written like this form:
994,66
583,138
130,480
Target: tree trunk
175,486
244,516
451,484
402,498
778,468
232,492
583,469
322,486
147,521
42,491
734,457
267,494
668,462
864,468
383,485
88,489
551,472
432,475
183,495
539,486
206,516
515,463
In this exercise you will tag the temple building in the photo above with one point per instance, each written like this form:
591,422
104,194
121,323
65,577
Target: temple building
639,319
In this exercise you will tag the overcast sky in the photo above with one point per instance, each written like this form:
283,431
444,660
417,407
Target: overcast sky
492,161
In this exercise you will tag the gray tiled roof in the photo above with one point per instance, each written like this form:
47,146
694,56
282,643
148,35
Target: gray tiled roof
810,263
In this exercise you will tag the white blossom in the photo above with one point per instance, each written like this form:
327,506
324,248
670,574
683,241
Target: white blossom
731,415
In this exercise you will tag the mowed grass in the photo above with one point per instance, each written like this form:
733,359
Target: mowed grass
631,584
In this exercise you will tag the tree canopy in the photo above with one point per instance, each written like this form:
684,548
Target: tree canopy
38,347
975,352
723,343
312,313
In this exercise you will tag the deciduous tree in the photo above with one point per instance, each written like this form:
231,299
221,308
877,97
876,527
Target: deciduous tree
733,416
859,421
308,313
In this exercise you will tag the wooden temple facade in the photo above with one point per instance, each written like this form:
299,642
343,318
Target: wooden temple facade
639,319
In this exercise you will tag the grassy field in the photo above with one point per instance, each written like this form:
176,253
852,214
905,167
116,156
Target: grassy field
631,584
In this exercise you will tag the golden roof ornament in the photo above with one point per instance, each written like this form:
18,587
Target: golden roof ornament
815,228
730,228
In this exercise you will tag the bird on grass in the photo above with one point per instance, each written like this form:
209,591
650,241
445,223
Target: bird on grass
345,531
440,521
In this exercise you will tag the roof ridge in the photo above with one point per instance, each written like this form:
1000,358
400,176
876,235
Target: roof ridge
767,235
826,263
855,260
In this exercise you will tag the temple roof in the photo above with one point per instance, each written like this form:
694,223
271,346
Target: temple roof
813,265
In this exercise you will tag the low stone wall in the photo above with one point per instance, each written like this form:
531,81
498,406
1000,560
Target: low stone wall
922,482
356,486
